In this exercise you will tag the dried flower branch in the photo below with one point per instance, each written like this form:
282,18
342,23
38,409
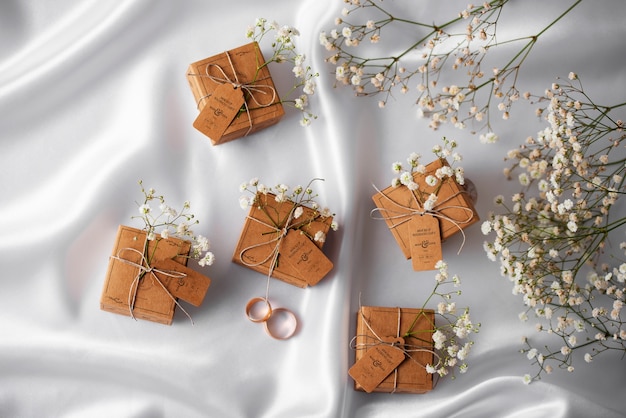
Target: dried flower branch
284,50
452,329
428,202
552,239
460,44
171,223
299,196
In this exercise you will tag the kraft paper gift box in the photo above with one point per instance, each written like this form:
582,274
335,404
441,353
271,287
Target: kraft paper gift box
376,329
154,295
300,259
245,67
454,208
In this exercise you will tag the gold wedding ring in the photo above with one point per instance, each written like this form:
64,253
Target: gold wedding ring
281,330
279,323
252,308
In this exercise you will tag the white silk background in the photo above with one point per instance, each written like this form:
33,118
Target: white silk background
93,97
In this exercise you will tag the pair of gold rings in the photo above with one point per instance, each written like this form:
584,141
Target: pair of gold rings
279,323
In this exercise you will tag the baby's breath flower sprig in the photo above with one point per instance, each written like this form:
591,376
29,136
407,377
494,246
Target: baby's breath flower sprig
405,174
460,44
284,50
299,196
452,328
168,222
553,238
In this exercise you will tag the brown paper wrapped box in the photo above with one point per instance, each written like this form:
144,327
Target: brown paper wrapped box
259,238
244,66
152,302
453,204
410,376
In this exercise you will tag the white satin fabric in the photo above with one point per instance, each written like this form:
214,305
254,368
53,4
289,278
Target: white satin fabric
93,97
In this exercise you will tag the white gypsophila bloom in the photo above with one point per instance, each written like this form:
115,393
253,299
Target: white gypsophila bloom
439,338
298,71
183,229
572,226
346,32
431,180
309,87
412,186
165,234
298,212
524,180
207,260
203,243
244,202
144,209
429,204
459,175
413,159
572,340
452,351
406,178
441,308
444,172
319,236
489,137
340,72
463,352
167,210
396,167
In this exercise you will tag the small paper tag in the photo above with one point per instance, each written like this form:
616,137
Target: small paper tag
305,256
425,242
191,288
375,365
220,110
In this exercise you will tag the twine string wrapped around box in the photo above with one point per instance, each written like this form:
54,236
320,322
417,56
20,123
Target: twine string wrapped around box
398,343
143,268
250,88
406,213
273,256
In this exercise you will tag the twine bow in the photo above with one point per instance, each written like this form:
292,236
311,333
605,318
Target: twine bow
406,212
376,340
281,232
143,268
250,88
